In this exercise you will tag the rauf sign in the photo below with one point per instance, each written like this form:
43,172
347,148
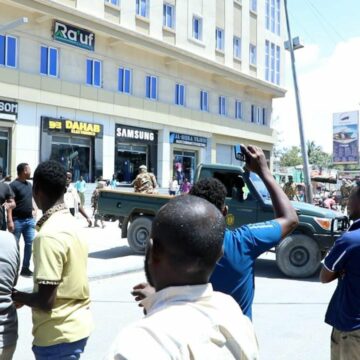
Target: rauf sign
75,36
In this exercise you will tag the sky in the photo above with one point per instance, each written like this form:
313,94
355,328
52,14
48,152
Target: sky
328,69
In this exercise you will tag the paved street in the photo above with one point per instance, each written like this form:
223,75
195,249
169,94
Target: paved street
288,314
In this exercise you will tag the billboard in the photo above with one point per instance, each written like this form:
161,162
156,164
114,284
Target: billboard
346,138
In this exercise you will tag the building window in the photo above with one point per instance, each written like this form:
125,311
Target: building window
142,8
238,109
237,47
222,105
125,80
253,5
93,72
272,16
219,36
263,116
8,51
272,63
258,115
113,2
204,103
180,94
253,54
253,114
151,87
197,28
48,61
169,16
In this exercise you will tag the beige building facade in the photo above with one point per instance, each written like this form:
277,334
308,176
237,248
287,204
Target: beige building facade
105,86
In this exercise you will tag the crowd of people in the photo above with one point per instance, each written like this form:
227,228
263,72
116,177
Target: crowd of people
200,276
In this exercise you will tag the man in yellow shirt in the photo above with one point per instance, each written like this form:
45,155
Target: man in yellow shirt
60,302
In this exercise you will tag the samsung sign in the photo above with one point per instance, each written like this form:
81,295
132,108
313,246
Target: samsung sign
75,36
133,133
8,110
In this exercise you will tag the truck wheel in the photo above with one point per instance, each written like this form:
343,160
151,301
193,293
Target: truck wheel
139,234
298,256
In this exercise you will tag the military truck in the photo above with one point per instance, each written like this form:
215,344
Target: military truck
298,255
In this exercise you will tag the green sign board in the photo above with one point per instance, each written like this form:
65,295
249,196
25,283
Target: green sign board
75,36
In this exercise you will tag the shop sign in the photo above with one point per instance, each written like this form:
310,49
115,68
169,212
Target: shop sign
184,139
75,36
72,127
8,110
131,133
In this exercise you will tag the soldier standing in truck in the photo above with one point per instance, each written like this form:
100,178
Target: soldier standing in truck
145,182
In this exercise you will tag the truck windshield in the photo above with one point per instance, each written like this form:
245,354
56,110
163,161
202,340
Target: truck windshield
259,186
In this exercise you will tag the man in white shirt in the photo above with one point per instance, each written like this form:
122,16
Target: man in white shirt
173,186
185,318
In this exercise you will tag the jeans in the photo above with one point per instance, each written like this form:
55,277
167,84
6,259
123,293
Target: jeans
26,228
63,351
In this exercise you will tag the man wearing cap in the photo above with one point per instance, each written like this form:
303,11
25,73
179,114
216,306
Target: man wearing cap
145,182
290,188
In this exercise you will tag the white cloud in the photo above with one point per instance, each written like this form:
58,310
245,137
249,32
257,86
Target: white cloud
327,85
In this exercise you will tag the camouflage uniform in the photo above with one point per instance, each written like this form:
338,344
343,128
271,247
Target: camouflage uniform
145,183
290,190
345,191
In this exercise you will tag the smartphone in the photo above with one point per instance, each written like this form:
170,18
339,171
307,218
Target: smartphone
239,154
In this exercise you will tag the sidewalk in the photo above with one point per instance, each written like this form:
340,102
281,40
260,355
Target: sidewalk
109,255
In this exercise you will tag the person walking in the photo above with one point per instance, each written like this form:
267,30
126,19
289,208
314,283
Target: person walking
23,214
72,199
290,188
173,186
342,264
9,267
234,273
94,204
185,318
60,302
185,186
145,182
80,187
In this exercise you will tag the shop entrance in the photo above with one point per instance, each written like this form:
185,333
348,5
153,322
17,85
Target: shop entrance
128,159
184,165
74,154
4,151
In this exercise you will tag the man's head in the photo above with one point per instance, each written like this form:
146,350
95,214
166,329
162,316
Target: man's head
23,170
142,168
212,190
81,178
353,207
68,178
49,184
186,241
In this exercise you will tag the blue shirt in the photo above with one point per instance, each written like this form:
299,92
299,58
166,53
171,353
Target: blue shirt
234,273
80,186
343,312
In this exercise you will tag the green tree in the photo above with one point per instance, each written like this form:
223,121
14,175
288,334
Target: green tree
291,157
317,156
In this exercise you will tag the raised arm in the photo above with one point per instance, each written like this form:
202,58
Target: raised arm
285,214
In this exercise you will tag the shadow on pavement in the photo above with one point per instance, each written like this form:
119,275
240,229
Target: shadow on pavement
267,268
112,253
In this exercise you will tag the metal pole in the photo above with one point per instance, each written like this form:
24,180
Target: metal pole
308,189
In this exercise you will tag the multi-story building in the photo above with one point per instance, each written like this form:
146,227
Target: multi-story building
105,86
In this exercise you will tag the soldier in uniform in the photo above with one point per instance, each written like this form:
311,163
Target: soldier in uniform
290,188
345,191
145,182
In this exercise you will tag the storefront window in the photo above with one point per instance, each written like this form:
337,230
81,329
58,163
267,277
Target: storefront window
4,152
184,165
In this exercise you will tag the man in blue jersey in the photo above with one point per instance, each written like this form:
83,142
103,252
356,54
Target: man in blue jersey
342,263
234,272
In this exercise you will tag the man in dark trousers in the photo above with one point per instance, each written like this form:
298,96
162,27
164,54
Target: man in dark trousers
22,215
234,272
342,263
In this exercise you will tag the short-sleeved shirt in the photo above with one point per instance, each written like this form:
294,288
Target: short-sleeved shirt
23,198
71,197
343,312
5,194
80,186
9,267
234,272
60,258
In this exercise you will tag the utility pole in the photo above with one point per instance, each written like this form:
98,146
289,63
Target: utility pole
307,180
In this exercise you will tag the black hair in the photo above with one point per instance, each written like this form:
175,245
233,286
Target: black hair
50,177
21,167
212,190
190,231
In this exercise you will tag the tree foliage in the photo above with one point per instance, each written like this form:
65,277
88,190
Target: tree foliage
291,157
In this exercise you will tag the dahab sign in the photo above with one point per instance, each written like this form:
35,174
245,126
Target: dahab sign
346,138
75,36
